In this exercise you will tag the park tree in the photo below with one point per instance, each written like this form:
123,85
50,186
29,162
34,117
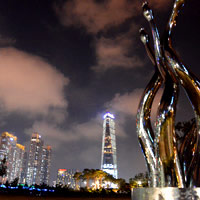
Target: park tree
99,176
109,179
14,183
183,128
3,168
87,174
77,177
120,183
140,180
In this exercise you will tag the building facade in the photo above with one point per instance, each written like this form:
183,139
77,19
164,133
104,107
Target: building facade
38,162
109,151
45,165
13,152
19,156
61,175
24,168
31,167
34,160
65,177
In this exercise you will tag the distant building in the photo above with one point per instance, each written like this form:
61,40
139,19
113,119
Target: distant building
109,154
45,165
31,167
13,153
19,156
34,160
66,177
61,175
24,168
38,162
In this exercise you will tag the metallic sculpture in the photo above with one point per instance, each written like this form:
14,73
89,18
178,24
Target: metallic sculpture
169,165
166,193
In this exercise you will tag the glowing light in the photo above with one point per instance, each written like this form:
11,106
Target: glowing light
139,182
109,115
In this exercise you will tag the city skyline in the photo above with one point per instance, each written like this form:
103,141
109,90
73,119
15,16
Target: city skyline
64,63
30,165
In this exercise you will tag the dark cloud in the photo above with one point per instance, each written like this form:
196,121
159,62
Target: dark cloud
95,16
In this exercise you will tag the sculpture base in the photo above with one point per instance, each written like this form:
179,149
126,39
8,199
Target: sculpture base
166,193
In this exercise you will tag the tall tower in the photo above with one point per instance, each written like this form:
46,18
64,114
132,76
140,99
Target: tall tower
13,153
34,160
109,154
45,165
19,156
7,150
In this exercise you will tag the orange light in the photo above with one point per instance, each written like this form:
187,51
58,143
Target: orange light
62,170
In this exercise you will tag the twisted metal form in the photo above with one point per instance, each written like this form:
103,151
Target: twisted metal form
143,124
165,143
191,85
168,165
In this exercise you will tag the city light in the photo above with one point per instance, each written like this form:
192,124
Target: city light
109,156
109,115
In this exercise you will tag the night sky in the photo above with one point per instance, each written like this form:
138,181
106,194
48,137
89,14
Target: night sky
63,64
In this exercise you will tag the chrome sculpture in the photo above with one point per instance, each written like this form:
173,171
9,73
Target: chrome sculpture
169,165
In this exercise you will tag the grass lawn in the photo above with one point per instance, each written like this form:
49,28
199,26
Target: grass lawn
7,197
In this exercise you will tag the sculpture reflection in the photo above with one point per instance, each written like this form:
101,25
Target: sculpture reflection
145,132
160,148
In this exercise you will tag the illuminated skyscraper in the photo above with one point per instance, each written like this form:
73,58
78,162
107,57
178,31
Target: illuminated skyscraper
109,154
24,168
45,165
38,162
19,156
13,153
34,160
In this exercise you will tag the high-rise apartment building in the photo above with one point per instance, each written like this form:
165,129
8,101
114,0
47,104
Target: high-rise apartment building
34,160
109,154
13,153
66,177
31,167
24,168
19,156
38,162
45,165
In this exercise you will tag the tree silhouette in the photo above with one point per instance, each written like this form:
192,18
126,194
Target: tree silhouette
3,168
14,183
77,177
140,180
87,174
99,175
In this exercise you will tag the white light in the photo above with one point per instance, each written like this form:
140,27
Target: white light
108,166
139,182
109,115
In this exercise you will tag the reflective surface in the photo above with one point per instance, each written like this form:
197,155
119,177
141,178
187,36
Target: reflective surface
168,164
143,124
167,193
